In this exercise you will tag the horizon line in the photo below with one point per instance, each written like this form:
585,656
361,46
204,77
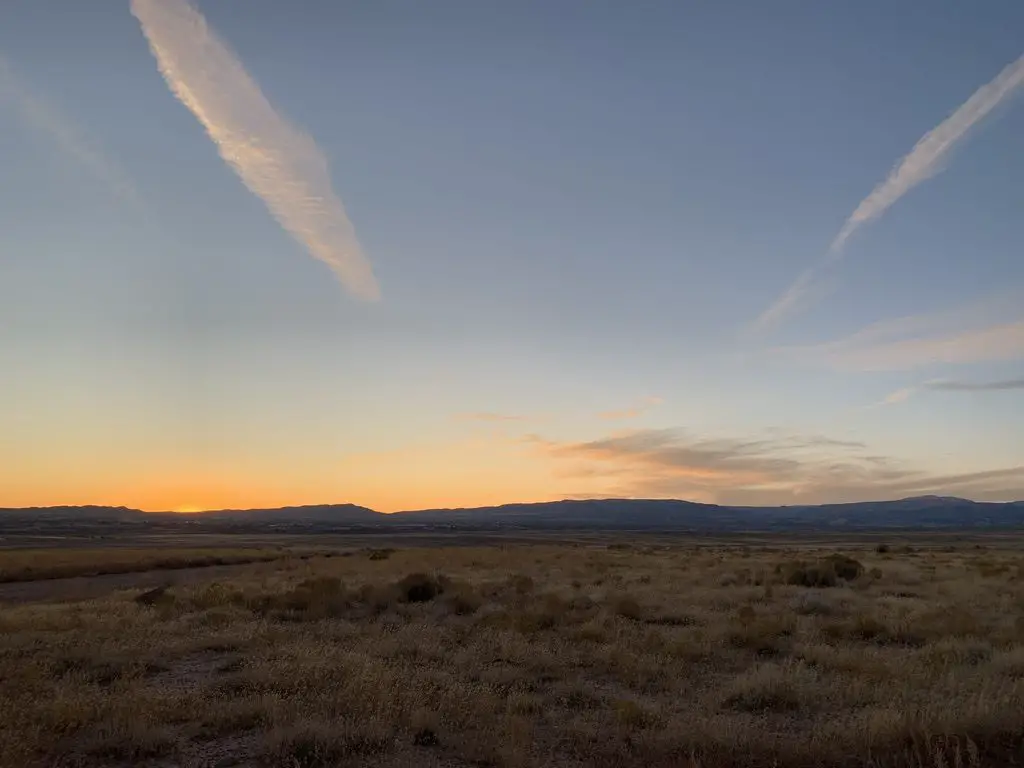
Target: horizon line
242,510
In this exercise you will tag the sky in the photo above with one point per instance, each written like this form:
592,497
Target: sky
414,255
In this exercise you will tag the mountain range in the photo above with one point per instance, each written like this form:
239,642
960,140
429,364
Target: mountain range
933,512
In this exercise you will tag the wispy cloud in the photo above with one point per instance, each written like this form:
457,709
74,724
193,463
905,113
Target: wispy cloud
923,161
994,343
941,385
634,411
278,163
44,118
763,470
991,330
898,396
975,386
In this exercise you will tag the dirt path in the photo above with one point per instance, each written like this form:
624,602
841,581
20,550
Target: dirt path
88,587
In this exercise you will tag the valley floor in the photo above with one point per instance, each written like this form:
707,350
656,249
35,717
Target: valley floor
587,653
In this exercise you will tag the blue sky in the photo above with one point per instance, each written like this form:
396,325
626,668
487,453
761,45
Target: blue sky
570,209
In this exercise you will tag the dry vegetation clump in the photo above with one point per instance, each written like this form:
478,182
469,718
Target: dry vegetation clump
772,688
420,587
653,653
825,572
319,743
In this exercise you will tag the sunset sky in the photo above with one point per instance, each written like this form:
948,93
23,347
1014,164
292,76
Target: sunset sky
421,254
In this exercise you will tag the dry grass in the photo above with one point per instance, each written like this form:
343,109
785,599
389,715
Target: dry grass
60,563
540,655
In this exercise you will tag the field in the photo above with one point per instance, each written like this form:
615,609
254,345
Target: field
642,652
36,564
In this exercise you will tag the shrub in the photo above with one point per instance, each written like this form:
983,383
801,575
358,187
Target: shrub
868,629
127,743
765,689
728,579
882,549
627,607
544,613
313,599
420,588
631,714
381,554
765,636
591,631
845,567
671,619
425,737
374,598
216,595
155,597
533,621
464,602
521,584
823,573
812,575
811,604
312,745
321,585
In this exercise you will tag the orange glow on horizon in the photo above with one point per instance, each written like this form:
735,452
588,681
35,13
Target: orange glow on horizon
461,473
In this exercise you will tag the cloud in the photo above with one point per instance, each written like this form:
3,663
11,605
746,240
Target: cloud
975,386
809,287
1003,385
770,470
899,396
992,344
923,161
44,118
276,161
633,412
991,330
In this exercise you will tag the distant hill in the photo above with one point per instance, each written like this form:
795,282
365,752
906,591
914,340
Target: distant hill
915,512
921,512
339,514
87,512
584,513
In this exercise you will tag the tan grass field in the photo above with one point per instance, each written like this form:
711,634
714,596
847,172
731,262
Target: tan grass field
59,562
535,655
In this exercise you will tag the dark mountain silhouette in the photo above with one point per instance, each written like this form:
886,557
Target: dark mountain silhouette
916,512
598,514
584,513
86,512
341,514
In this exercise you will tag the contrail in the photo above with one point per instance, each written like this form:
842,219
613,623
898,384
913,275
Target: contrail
40,116
276,161
920,164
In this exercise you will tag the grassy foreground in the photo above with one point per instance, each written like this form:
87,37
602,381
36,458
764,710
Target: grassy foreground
539,655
